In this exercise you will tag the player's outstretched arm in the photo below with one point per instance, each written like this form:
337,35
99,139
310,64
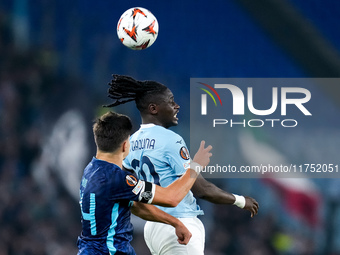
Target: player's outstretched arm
208,191
152,213
172,195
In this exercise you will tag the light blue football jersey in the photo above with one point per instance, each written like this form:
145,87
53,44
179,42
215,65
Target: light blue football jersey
159,155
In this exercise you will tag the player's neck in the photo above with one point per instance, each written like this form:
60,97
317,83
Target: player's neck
113,158
151,120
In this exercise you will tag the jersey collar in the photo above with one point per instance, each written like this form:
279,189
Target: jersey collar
147,125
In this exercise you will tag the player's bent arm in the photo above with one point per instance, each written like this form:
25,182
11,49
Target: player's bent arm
208,191
152,213
172,195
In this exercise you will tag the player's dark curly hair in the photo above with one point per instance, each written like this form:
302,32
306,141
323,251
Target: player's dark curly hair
124,89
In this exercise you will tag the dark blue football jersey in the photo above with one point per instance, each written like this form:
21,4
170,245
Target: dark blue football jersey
106,195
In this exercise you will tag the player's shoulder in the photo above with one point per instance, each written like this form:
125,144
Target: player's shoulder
103,168
119,177
174,143
156,131
168,132
171,139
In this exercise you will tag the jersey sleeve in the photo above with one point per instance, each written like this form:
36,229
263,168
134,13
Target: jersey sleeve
178,155
133,189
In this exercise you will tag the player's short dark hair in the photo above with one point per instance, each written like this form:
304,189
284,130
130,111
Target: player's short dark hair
124,89
110,130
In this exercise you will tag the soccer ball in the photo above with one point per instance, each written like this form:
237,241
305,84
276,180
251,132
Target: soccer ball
137,28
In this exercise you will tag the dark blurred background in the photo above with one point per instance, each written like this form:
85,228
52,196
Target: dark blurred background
56,58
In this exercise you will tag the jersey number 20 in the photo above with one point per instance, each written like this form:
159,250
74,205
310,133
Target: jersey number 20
141,165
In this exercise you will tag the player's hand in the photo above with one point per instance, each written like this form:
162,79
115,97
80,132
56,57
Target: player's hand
203,155
251,205
183,234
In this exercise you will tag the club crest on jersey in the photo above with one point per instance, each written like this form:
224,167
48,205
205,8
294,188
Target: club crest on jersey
131,180
184,153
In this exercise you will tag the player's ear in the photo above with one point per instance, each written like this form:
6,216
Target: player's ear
126,146
153,109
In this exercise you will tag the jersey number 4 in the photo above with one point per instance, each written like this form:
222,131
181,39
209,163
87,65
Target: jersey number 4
91,215
150,170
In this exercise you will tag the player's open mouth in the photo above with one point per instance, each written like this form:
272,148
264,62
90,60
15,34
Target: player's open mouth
176,116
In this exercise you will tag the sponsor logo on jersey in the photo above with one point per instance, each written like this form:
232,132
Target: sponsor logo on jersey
184,153
138,187
186,166
131,180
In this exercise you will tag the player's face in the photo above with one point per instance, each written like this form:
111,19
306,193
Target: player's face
167,110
